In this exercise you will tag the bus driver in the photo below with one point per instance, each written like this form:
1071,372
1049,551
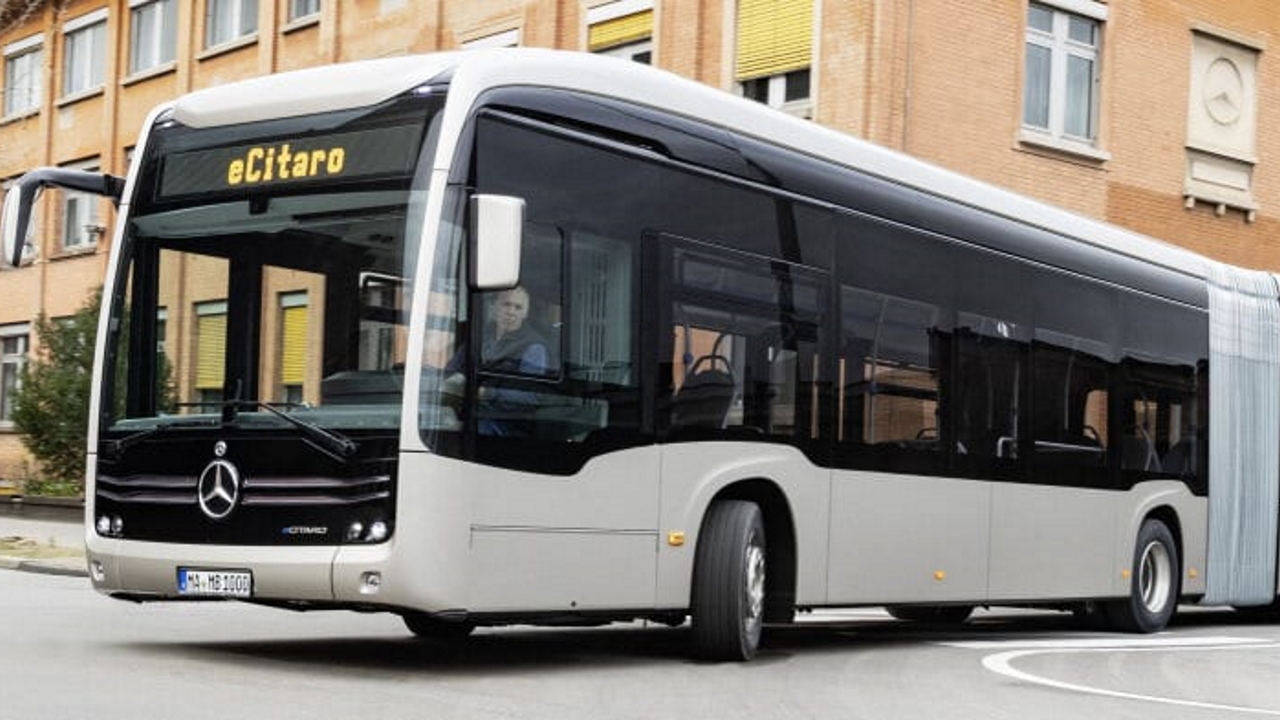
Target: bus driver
510,347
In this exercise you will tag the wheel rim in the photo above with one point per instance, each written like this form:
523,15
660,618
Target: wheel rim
753,589
1155,577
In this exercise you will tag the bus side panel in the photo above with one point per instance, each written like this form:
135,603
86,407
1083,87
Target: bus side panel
907,539
544,543
1053,542
692,475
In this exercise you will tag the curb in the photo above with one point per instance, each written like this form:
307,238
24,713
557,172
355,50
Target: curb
41,508
66,568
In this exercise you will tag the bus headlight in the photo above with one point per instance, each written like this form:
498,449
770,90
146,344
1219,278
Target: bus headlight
354,532
377,532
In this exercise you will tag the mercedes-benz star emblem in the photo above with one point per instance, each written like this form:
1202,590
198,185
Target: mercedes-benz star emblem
219,489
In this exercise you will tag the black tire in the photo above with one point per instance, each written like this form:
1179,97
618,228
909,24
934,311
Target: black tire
729,582
932,614
430,628
1154,585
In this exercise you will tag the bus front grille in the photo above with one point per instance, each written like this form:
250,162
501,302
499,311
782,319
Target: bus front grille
255,491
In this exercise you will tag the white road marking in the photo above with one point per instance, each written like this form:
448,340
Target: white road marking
1109,642
1002,663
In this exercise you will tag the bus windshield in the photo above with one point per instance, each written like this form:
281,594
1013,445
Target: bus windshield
266,273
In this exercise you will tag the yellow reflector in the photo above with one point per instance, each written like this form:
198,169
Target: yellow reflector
675,538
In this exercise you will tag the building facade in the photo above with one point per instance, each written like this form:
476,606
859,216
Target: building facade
1151,114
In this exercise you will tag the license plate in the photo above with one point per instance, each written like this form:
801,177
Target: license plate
215,583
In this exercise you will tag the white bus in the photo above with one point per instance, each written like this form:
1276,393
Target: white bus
525,336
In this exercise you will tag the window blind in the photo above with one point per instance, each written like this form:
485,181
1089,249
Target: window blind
620,31
774,37
211,349
293,350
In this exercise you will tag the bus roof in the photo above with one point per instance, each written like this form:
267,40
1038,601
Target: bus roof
471,73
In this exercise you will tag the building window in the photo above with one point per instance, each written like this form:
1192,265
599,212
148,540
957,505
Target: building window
778,90
299,9
623,28
293,346
211,353
84,53
1060,98
775,53
13,357
81,226
229,20
23,73
153,34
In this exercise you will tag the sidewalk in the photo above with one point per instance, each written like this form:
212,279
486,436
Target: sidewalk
51,547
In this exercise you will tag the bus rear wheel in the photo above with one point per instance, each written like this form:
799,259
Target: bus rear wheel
729,582
1154,585
430,628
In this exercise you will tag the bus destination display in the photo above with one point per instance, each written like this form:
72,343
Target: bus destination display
380,152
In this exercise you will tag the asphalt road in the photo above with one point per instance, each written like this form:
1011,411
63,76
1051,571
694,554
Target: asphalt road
66,652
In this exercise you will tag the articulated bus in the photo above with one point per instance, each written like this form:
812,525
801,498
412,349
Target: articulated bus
533,337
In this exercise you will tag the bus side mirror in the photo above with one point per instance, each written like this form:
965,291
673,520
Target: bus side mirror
15,217
15,225
497,224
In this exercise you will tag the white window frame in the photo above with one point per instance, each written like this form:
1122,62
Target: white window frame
81,224
1061,48
777,94
84,54
159,48
17,361
24,59
239,23
500,39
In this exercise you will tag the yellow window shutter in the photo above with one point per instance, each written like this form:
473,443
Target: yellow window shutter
211,350
774,37
293,350
620,31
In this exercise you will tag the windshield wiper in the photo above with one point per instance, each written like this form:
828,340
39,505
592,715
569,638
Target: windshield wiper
114,449
339,446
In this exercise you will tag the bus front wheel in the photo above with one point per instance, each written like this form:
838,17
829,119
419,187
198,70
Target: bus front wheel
1154,583
430,628
729,582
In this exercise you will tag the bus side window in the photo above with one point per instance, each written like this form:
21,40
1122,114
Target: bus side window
1159,433
1071,377
990,370
890,372
744,345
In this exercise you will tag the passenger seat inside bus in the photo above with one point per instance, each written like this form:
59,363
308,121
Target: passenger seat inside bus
1181,459
1139,452
704,399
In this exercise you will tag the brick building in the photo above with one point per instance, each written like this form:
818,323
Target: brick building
1146,113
